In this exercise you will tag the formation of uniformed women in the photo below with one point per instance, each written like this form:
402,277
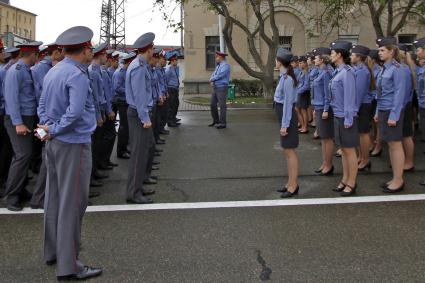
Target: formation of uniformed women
360,98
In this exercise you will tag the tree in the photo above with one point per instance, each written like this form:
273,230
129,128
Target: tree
264,69
335,13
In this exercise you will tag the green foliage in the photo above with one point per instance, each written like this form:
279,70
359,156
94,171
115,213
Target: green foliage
248,88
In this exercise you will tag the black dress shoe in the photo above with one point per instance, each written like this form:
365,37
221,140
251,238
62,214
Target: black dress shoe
112,164
155,177
14,207
156,162
150,181
124,155
422,183
95,183
100,175
219,127
105,167
51,262
164,132
94,194
288,194
88,272
140,200
36,206
158,150
351,192
387,190
160,142
157,154
212,124
173,125
147,192
155,168
329,173
178,120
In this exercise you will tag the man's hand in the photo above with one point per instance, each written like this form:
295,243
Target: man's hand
100,122
46,129
392,123
211,83
325,115
284,132
111,116
22,130
376,119
147,125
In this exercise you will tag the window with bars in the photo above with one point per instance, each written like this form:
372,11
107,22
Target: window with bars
212,45
354,39
285,42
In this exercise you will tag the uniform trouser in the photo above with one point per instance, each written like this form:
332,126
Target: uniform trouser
422,122
108,141
40,186
141,141
164,110
156,122
174,102
67,192
219,95
22,149
6,152
37,149
123,134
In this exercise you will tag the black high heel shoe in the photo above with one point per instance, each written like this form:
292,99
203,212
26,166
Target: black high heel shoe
329,173
288,194
351,192
339,188
379,153
318,171
392,191
410,170
284,189
368,167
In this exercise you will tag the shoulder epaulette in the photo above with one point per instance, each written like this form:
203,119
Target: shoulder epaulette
81,69
18,66
397,64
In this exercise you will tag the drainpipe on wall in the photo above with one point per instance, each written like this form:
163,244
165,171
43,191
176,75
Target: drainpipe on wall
220,32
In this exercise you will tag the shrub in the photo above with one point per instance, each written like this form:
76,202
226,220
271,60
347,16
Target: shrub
248,88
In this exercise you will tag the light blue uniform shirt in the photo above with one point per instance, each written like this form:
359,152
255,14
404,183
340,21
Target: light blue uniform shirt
19,94
118,83
172,76
107,89
420,86
95,75
286,94
3,71
362,84
321,99
313,73
155,84
221,75
111,72
39,71
391,89
297,71
303,83
408,94
138,88
160,72
343,94
376,70
66,103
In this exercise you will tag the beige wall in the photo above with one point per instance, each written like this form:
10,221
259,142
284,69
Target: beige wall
18,21
294,18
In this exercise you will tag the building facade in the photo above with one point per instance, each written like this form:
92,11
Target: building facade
299,31
16,25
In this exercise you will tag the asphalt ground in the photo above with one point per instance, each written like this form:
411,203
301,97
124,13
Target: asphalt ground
357,242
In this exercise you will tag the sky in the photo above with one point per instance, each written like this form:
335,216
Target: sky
55,16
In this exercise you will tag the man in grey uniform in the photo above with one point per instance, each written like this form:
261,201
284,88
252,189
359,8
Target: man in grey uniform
67,114
138,92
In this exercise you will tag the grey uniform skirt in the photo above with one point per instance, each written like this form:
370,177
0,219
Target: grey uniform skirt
346,137
390,134
304,100
365,118
291,140
408,121
325,127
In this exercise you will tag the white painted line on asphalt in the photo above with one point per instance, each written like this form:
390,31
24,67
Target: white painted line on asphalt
237,204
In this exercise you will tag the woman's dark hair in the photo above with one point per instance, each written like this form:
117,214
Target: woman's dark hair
345,55
290,70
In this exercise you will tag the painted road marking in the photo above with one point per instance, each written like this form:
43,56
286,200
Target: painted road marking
237,204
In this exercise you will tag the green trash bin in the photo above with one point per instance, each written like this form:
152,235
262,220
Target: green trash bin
231,93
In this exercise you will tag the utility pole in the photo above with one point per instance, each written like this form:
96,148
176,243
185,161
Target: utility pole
112,23
220,32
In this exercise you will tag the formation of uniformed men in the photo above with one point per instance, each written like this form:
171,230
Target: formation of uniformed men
69,95
357,98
